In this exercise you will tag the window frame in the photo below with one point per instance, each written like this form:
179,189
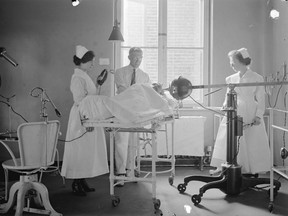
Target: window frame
162,47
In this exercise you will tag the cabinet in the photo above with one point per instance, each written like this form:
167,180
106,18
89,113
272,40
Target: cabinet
188,138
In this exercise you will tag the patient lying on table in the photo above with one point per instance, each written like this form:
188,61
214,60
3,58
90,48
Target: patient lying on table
138,103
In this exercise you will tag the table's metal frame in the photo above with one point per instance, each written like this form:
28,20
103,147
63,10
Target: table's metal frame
150,126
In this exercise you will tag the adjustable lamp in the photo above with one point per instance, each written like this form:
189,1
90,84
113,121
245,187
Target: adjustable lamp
180,88
230,181
116,33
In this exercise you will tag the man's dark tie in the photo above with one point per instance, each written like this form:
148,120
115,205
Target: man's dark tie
133,81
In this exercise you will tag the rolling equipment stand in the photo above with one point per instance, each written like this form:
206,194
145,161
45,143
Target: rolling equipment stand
230,181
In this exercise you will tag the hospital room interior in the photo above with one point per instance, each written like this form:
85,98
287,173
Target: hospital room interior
143,107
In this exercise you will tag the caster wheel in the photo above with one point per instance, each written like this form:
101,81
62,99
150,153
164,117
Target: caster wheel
181,188
170,180
196,199
270,207
157,204
115,201
158,212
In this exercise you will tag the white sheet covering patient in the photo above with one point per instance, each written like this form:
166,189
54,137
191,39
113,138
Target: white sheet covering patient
138,103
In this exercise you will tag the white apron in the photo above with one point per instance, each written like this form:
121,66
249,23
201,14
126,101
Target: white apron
254,152
87,156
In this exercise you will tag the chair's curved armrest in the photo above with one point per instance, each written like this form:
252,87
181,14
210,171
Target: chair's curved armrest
10,152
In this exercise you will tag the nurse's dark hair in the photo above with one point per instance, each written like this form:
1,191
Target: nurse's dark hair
88,56
238,55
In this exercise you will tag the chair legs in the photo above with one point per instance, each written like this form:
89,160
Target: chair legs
39,187
23,186
6,206
6,174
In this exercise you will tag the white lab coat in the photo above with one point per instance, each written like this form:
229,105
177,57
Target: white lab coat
87,156
123,78
254,152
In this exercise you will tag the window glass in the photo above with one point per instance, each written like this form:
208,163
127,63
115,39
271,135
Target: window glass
184,23
183,46
188,64
140,22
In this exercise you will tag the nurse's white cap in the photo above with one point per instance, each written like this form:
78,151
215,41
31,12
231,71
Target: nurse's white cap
244,53
80,51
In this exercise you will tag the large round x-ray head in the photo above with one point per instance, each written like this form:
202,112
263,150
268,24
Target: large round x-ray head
180,88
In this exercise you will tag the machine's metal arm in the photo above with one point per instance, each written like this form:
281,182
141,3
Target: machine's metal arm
181,88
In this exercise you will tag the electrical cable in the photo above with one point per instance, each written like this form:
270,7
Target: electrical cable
274,79
206,107
276,98
14,110
213,92
74,138
233,159
244,125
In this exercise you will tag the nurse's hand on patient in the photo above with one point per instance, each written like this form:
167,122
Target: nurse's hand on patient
256,120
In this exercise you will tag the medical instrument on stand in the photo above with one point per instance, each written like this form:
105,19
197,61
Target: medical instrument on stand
44,98
4,54
230,181
40,92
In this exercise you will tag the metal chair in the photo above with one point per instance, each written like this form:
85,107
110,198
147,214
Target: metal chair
37,143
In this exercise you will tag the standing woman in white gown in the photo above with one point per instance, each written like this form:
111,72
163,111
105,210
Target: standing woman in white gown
254,152
85,156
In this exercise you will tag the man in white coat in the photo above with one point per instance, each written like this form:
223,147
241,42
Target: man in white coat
124,78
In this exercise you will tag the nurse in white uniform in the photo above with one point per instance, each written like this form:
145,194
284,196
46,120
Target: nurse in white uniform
85,156
254,149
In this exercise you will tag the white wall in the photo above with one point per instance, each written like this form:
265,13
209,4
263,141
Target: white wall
41,35
237,23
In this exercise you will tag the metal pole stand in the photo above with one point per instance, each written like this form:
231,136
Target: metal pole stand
230,181
43,113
